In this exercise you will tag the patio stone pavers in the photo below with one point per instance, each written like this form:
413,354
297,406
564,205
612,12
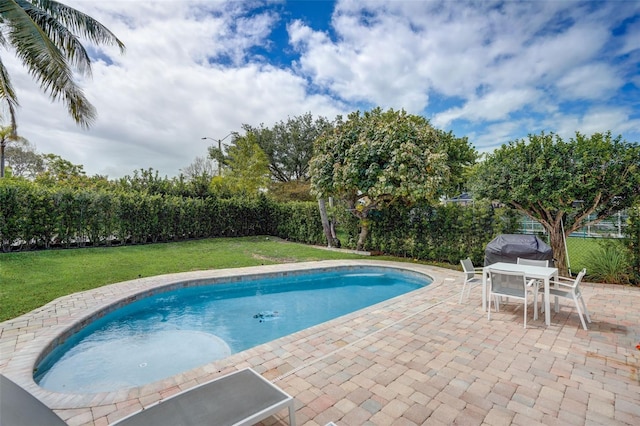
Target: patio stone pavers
416,359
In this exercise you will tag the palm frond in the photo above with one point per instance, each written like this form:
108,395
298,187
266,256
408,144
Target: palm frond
79,23
44,61
8,95
46,37
68,44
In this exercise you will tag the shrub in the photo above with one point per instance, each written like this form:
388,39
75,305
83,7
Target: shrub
609,264
441,233
633,243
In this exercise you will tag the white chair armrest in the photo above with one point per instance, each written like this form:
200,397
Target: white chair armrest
531,282
561,283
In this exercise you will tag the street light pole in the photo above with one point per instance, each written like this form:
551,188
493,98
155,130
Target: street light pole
219,148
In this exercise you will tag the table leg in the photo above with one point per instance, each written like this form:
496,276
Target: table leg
557,304
547,302
484,291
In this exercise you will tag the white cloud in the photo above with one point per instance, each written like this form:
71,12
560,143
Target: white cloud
498,134
593,81
157,101
596,120
491,107
202,68
631,39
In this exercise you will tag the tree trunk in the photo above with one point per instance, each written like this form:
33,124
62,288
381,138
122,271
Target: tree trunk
325,222
2,145
332,225
364,232
556,241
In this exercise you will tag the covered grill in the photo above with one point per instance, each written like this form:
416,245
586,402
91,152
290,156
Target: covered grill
509,247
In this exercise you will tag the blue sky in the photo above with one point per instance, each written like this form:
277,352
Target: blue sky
492,71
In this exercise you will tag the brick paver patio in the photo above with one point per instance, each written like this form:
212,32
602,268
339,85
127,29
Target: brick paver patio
421,358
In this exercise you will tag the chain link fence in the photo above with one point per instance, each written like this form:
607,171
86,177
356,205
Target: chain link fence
586,240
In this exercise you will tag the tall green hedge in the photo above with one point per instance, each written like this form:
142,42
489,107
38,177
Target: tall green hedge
443,233
34,216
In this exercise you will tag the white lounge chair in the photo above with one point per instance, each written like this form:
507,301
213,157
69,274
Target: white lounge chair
241,398
20,408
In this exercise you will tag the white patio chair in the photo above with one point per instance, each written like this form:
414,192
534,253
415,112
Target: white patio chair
569,288
512,285
470,279
533,262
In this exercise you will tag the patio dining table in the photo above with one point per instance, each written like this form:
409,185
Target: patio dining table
546,274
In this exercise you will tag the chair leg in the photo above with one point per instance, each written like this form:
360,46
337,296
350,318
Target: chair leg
586,311
525,311
464,285
495,305
575,299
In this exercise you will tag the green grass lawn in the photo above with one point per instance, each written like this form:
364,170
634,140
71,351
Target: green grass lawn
31,279
579,249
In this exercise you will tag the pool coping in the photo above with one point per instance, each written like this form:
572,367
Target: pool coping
73,311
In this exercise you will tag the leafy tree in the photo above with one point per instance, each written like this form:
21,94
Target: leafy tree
61,168
58,171
563,185
248,166
294,190
148,181
377,158
200,167
23,160
461,156
46,37
289,145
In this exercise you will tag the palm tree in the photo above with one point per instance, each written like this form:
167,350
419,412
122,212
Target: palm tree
46,37
6,134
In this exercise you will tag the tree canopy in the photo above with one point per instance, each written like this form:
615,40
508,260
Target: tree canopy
23,160
289,145
562,184
380,157
248,166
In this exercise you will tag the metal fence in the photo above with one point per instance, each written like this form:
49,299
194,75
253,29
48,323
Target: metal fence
612,227
587,240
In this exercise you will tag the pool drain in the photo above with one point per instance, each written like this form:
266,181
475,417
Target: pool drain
267,316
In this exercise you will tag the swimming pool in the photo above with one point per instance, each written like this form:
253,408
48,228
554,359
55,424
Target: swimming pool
178,329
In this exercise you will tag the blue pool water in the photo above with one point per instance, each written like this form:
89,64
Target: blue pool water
172,332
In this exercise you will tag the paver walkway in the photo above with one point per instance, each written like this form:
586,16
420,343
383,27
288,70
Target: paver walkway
417,359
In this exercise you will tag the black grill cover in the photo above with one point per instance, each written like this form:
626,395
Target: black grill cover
509,247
